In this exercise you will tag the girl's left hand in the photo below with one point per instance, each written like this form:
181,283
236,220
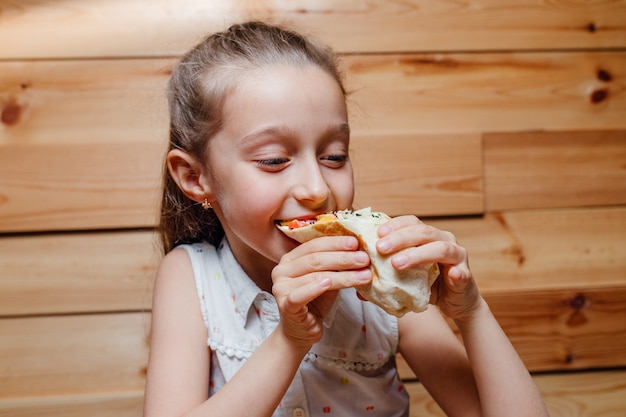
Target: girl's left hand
411,242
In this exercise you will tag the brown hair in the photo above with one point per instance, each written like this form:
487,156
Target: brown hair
196,92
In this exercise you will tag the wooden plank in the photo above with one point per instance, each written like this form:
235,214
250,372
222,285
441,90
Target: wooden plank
104,111
556,258
517,251
105,185
580,394
557,316
563,329
73,273
119,404
106,101
544,249
72,355
498,92
123,100
139,28
425,175
556,169
79,186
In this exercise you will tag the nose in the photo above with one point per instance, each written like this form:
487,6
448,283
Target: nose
311,187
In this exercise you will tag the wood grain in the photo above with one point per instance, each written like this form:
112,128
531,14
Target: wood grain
566,329
544,249
73,355
582,394
508,117
90,101
424,175
121,100
35,29
487,92
509,252
109,185
77,273
556,169
115,403
79,186
67,120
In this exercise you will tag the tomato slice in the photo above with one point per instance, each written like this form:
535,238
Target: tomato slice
296,224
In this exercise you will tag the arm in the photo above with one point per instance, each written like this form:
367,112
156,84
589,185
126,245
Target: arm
178,370
305,287
440,362
500,379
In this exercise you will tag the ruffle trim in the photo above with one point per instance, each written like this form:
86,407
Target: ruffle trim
231,352
350,365
358,366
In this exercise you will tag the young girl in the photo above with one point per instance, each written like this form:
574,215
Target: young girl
246,322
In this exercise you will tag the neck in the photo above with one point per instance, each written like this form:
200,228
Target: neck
257,267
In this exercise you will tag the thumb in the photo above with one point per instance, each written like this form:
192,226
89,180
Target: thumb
457,279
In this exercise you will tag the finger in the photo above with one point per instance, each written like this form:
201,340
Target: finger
307,287
297,298
442,252
323,261
412,235
397,223
458,278
323,244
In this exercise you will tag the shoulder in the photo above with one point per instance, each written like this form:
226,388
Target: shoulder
178,264
175,286
176,258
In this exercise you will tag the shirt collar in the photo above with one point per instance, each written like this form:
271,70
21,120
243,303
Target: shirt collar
244,290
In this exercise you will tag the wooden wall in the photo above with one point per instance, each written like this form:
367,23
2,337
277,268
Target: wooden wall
503,121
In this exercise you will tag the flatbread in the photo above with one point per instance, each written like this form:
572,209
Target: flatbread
397,292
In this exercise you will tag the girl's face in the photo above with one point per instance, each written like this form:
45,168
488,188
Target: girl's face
282,153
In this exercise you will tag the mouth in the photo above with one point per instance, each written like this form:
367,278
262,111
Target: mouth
304,221
297,222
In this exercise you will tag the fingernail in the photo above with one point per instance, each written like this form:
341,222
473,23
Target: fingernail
361,257
382,245
363,275
384,230
350,242
325,283
400,260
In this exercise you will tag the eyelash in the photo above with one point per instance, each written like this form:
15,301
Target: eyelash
336,158
272,162
277,163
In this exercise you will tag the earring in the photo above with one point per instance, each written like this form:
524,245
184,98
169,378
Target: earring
206,205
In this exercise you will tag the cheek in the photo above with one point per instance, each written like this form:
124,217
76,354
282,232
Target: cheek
343,190
248,208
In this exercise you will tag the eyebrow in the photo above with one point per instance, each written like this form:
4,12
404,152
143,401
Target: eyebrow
262,135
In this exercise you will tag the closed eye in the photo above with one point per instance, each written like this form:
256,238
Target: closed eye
272,163
337,160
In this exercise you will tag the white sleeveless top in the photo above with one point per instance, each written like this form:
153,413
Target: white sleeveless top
350,372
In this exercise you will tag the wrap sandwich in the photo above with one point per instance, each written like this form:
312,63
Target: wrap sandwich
397,292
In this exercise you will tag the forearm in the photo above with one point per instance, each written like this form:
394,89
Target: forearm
261,382
505,387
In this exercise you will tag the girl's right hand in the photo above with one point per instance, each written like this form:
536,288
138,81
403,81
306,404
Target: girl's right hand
306,283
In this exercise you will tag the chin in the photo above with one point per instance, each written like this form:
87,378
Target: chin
287,245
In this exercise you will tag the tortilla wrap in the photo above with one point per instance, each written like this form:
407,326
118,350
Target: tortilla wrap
397,292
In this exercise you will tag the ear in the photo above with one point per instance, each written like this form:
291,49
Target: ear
188,173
